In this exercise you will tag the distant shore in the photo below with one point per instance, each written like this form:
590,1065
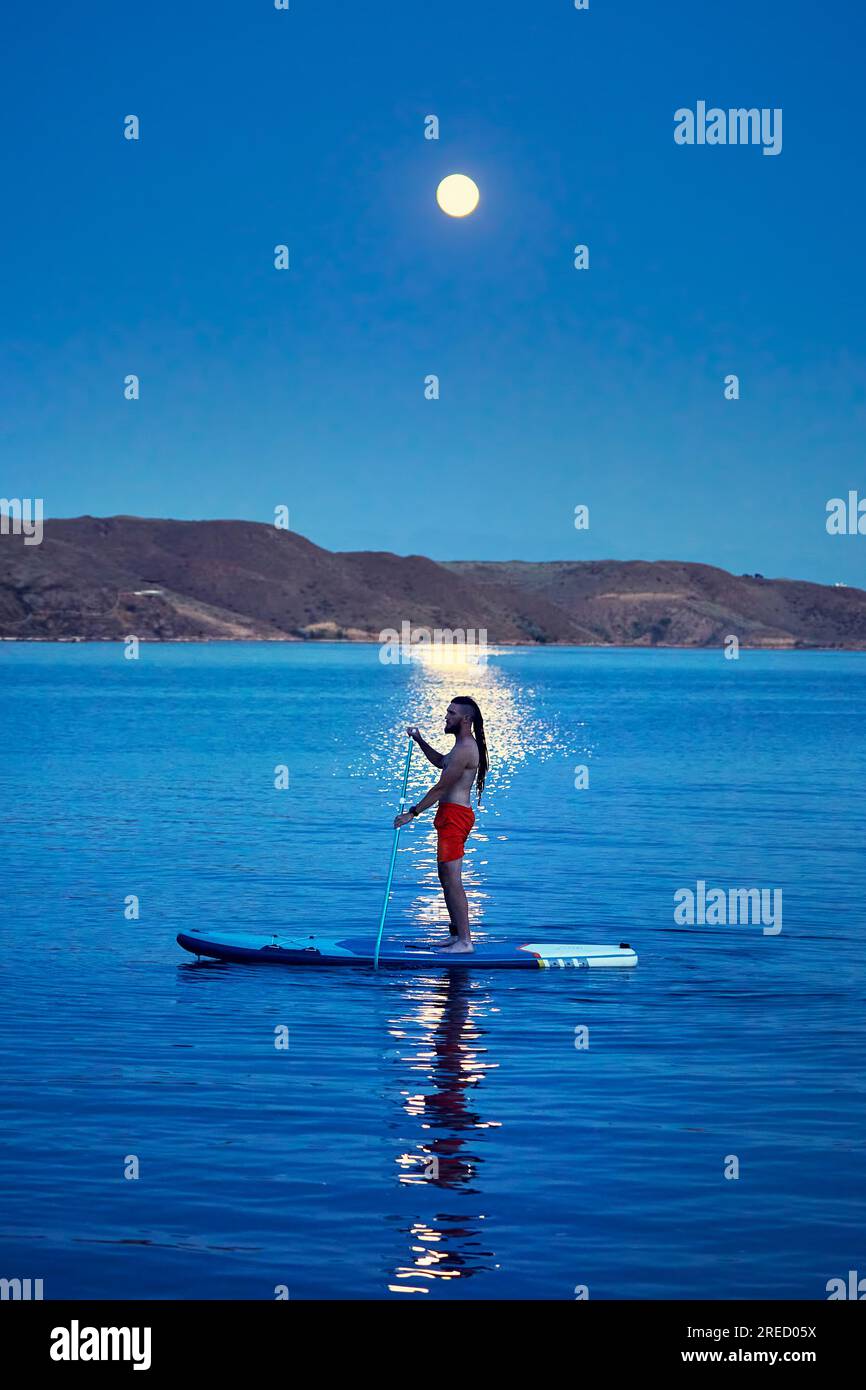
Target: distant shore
105,578
371,642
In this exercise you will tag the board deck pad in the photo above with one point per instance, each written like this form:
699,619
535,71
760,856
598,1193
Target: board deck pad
283,948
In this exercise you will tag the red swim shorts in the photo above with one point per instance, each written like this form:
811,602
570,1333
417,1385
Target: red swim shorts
453,823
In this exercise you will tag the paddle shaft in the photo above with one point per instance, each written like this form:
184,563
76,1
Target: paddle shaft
393,856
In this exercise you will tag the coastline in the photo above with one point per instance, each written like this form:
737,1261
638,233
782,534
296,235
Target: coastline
289,640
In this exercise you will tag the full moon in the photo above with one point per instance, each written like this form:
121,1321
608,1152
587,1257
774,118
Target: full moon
457,195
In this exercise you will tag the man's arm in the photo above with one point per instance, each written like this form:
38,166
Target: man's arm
457,765
437,759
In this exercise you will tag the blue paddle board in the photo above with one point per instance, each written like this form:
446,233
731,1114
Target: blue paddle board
283,948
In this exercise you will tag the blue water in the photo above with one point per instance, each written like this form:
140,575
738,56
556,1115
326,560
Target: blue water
314,1167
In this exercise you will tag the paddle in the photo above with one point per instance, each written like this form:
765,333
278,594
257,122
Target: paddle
393,856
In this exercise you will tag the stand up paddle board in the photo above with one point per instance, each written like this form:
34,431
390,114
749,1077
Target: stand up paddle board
280,948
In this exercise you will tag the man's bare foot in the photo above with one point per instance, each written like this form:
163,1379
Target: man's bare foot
458,948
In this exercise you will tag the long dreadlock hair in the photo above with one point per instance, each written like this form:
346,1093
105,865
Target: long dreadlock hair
478,731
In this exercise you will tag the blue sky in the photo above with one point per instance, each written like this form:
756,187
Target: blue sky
558,387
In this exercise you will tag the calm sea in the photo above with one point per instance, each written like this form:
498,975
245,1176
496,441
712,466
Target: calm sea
423,1137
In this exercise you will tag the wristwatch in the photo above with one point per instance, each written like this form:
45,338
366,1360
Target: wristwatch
413,810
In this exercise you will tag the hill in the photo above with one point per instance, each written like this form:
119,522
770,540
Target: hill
96,578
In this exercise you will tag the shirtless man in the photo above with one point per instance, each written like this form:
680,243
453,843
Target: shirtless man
454,818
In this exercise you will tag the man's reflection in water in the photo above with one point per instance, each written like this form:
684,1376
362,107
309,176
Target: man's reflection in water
444,1020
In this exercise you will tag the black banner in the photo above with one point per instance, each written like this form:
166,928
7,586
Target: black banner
263,1338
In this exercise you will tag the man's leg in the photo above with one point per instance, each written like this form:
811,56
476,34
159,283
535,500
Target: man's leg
451,878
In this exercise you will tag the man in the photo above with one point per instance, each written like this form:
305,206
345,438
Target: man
454,818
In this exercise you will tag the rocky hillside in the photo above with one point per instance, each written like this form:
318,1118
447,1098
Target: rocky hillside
102,578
